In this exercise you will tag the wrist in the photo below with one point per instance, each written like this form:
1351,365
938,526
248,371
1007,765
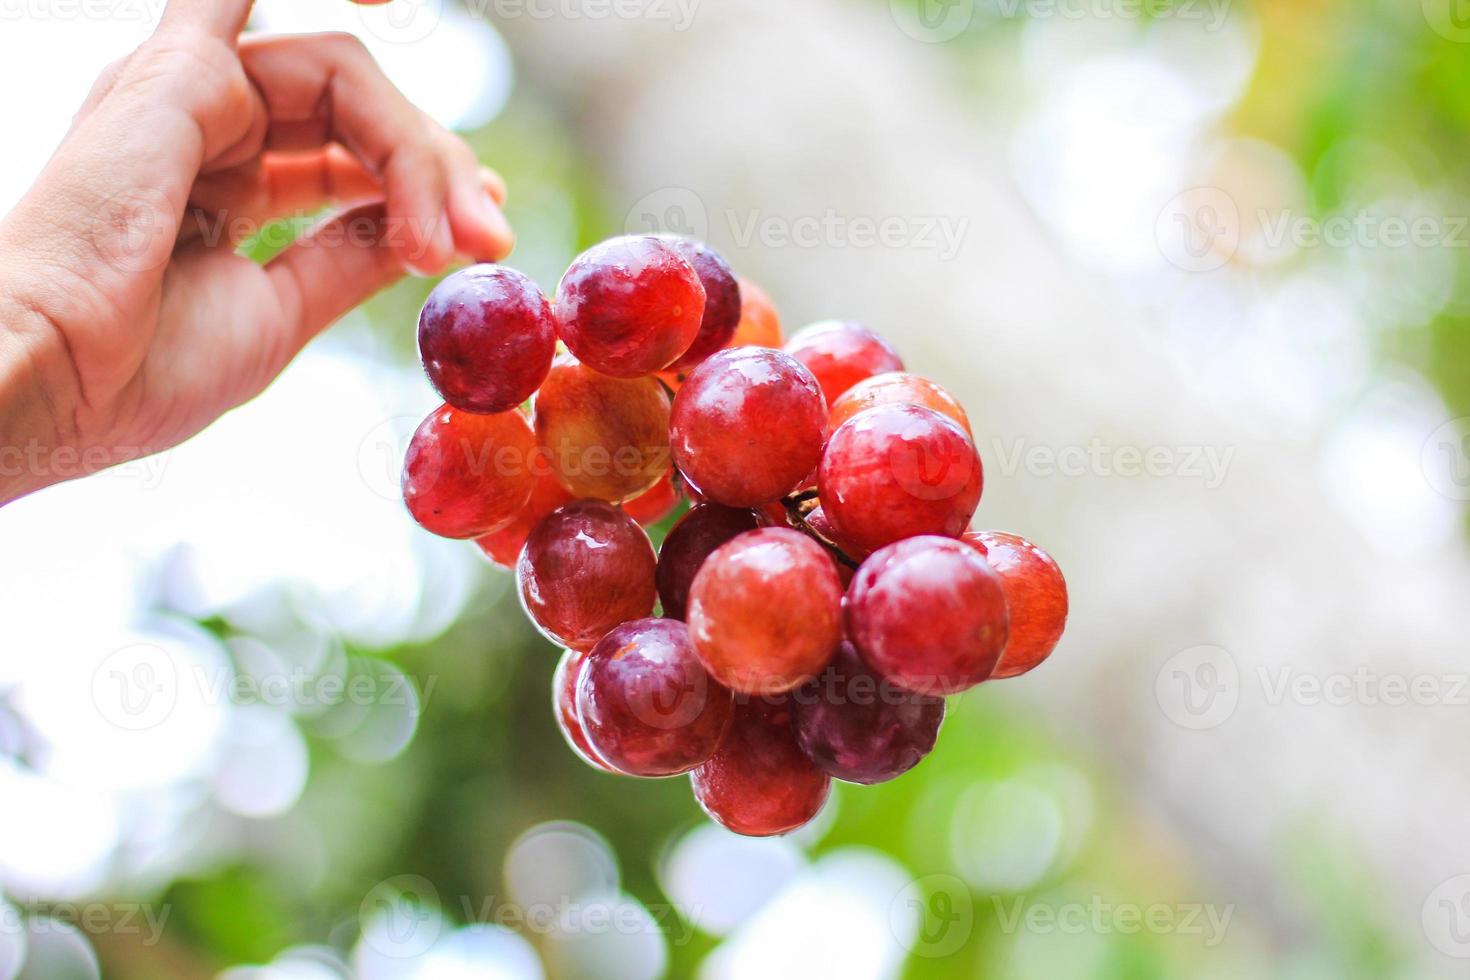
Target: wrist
34,433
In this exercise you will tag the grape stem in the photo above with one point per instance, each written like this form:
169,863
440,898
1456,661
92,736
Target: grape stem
798,506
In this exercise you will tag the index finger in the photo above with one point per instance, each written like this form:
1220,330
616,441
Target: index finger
224,19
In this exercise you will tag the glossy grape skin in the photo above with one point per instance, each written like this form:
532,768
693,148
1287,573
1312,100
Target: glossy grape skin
748,426
818,522
486,337
630,306
564,707
895,471
901,388
765,611
840,354
860,727
503,547
654,505
760,783
929,614
760,324
693,539
721,300
465,474
1036,596
586,568
646,703
605,438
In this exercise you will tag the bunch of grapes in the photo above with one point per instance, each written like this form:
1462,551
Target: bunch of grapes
824,591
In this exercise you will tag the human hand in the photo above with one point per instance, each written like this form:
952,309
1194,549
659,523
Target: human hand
127,320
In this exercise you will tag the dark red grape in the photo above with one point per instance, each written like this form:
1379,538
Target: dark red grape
692,540
466,474
765,611
860,727
748,426
647,704
654,505
586,568
899,388
928,613
605,438
895,471
503,547
564,706
721,300
760,783
629,306
486,336
1036,596
841,354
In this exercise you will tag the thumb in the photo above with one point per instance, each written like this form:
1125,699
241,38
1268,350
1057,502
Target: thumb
224,19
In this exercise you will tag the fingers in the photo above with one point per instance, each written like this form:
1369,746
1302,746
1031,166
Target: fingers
323,88
223,19
240,202
331,270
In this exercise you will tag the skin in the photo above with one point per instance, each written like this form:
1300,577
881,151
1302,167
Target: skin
127,321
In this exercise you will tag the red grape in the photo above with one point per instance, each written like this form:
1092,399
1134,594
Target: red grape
765,611
860,727
646,703
760,783
1036,595
503,547
564,706
841,354
606,438
895,471
897,387
975,540
586,568
760,324
629,306
653,506
928,613
692,540
721,303
466,474
486,337
748,426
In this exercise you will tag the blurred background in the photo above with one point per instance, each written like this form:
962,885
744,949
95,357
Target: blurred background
1199,270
